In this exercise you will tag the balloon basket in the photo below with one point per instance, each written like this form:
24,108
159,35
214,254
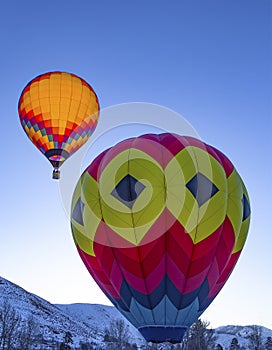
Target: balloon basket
161,334
56,174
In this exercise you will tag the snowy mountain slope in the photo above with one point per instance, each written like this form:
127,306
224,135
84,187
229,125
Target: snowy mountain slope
99,317
225,334
87,322
52,322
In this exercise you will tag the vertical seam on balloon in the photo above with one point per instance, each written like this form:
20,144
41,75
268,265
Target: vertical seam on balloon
165,228
218,243
92,113
31,122
49,90
78,107
69,111
213,259
221,230
86,105
121,272
85,114
72,150
39,101
106,228
190,263
226,265
61,78
138,252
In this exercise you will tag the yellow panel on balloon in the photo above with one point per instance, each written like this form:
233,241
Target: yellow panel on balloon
44,91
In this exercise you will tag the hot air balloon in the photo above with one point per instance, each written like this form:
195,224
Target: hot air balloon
160,221
59,112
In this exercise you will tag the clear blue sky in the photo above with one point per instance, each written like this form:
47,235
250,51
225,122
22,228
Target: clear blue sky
207,60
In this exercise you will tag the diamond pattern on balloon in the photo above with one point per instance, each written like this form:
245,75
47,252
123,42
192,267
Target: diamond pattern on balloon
246,208
78,212
201,188
128,190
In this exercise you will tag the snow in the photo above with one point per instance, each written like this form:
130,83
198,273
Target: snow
99,317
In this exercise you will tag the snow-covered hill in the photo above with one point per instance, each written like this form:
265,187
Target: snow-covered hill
99,317
52,322
243,334
87,323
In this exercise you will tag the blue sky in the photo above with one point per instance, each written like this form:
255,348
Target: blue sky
209,61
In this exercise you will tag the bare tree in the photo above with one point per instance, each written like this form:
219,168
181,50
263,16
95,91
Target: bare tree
9,321
117,335
28,333
67,341
199,337
256,339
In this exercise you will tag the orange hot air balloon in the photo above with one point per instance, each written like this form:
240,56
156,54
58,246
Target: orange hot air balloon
58,112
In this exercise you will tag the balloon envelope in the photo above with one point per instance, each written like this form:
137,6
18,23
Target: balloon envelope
160,221
59,112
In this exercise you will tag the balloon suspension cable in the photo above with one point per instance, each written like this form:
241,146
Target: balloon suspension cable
56,174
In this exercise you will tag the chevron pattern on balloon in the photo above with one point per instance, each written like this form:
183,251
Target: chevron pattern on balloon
160,221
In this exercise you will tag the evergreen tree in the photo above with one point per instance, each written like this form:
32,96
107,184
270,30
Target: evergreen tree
234,344
219,347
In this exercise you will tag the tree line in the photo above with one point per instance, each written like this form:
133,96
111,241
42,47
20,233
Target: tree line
17,333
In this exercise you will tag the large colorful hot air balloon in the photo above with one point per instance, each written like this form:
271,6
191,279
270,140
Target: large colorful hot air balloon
160,221
59,112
